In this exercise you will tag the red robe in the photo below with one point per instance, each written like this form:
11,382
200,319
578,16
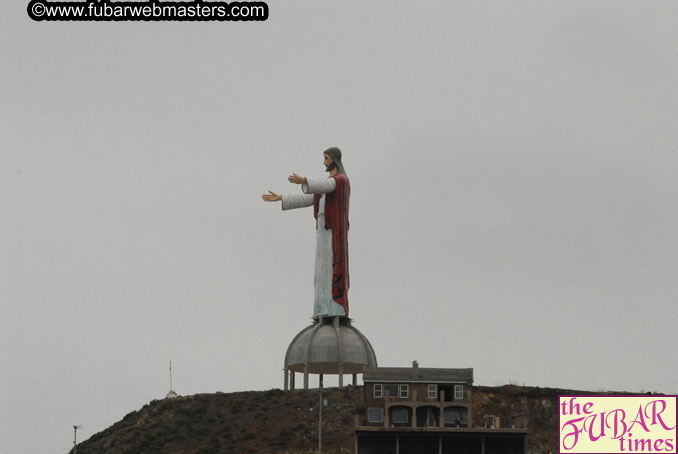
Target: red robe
336,218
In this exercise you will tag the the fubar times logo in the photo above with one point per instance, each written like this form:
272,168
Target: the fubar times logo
617,424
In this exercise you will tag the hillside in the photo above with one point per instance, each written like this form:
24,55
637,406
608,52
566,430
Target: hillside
275,421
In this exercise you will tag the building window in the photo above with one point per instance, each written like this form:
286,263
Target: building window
456,417
392,390
375,415
404,391
378,390
432,391
458,391
399,415
428,416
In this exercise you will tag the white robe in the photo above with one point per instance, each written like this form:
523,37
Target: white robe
323,304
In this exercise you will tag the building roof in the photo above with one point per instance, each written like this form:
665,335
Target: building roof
417,374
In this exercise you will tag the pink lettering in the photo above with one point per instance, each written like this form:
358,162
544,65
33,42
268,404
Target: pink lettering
575,431
601,431
617,420
574,407
656,415
639,420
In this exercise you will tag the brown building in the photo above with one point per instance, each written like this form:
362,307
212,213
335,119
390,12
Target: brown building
418,397
427,411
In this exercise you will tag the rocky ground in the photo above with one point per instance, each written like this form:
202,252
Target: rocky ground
279,422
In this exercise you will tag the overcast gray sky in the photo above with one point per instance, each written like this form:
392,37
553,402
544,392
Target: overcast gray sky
513,200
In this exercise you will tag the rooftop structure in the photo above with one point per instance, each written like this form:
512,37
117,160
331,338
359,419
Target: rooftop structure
416,374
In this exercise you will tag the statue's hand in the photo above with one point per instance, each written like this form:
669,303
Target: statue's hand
296,179
271,197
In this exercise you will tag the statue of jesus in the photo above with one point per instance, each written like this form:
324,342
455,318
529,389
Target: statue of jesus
329,198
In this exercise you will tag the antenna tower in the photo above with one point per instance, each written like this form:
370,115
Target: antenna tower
171,393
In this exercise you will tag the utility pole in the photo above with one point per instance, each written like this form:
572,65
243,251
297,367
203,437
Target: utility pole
320,416
75,439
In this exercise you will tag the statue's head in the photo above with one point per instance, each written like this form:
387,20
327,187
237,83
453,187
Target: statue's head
333,160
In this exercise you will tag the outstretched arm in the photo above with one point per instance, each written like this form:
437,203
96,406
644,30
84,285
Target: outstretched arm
319,185
289,201
271,197
296,179
313,185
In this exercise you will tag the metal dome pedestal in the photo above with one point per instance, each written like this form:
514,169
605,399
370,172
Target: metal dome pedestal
330,345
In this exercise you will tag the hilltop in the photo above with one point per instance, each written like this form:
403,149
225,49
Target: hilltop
279,422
